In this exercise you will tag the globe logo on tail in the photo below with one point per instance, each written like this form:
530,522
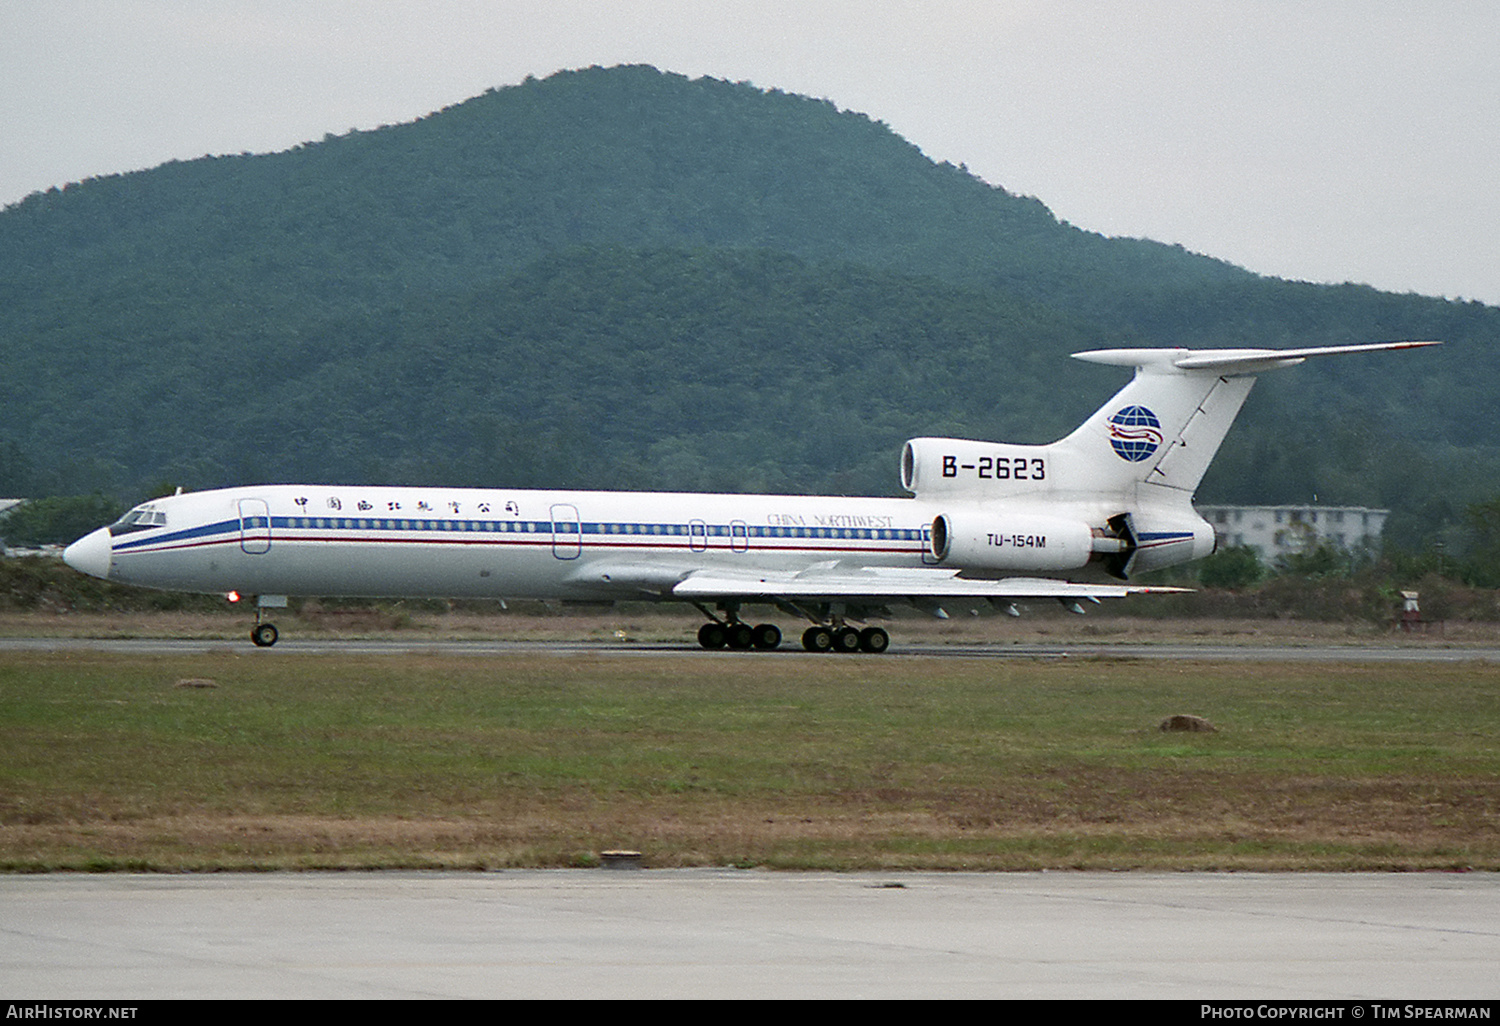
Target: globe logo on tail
1135,433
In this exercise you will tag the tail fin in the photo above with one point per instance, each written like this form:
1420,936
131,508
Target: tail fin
1165,426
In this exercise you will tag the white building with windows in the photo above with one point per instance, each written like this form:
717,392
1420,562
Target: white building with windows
1275,531
6,504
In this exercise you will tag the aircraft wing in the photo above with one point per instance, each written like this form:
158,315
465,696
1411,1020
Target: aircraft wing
891,583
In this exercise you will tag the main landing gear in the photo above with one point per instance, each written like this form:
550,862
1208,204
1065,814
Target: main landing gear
738,635
733,633
818,638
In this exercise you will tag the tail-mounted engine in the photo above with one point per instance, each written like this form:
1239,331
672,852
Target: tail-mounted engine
982,470
1033,543
998,541
981,540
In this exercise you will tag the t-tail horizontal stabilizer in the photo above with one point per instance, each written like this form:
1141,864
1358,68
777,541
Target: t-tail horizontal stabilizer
1231,361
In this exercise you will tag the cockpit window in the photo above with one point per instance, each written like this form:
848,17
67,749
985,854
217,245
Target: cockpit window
142,518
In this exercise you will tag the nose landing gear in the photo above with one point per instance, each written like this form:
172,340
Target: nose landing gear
264,634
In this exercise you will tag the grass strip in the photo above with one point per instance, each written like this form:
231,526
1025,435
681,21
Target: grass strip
266,761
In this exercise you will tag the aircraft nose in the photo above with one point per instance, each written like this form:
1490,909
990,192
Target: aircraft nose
91,553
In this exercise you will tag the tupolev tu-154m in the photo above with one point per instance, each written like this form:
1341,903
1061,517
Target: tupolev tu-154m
986,521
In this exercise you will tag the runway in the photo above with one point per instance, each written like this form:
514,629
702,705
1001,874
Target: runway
752,934
1212,651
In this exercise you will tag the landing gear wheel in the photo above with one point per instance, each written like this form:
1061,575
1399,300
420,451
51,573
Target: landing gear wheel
817,639
740,636
846,639
712,635
767,636
264,635
874,640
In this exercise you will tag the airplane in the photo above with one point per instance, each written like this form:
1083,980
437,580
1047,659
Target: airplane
1072,520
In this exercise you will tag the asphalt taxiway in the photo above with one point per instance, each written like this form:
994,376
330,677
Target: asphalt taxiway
740,933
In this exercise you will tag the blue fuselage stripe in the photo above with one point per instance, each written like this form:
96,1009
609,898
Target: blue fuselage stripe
393,529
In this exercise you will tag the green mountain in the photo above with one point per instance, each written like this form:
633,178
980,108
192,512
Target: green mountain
625,278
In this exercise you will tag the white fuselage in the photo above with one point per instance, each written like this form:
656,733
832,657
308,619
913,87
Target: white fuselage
472,543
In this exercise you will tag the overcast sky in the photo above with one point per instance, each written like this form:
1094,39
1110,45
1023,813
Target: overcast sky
1330,140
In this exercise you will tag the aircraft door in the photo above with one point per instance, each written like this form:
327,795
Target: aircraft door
739,536
927,557
698,536
567,532
255,526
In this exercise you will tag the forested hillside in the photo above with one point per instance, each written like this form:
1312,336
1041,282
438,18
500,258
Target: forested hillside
618,277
